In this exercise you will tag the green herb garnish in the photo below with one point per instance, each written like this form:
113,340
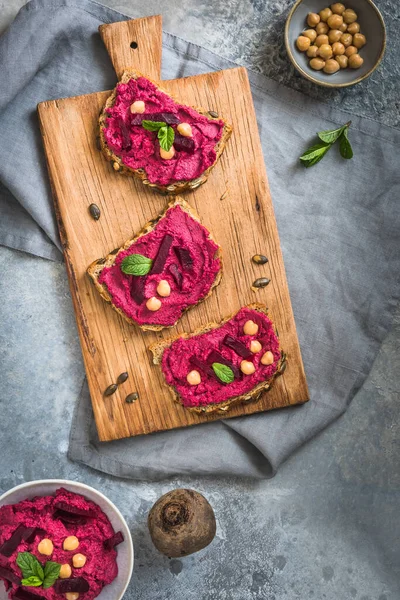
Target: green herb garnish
165,133
33,573
223,372
317,152
136,264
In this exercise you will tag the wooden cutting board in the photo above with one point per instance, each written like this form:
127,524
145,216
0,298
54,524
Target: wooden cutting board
235,205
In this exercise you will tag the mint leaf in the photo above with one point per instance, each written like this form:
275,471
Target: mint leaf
330,136
32,581
314,154
153,125
223,372
166,136
136,264
345,148
51,573
29,565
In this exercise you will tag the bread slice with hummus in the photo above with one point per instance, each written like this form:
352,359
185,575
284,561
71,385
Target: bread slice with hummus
222,364
172,264
147,134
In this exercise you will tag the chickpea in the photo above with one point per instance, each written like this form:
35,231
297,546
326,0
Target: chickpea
255,346
250,328
303,43
312,52
45,547
138,107
349,16
346,39
325,51
79,560
331,66
71,596
317,64
193,378
342,60
325,13
310,33
65,571
350,50
168,154
353,28
71,543
322,28
247,367
153,304
321,39
343,27
335,21
184,129
338,48
267,358
163,288
355,61
359,40
334,35
338,8
313,19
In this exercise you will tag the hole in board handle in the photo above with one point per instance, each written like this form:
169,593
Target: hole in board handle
134,45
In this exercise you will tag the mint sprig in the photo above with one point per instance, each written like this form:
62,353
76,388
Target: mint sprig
136,264
223,372
165,133
317,152
33,574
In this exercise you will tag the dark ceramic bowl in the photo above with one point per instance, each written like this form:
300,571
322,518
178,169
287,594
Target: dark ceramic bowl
371,25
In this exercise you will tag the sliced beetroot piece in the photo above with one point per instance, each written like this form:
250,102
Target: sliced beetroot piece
75,510
169,118
74,584
113,541
13,542
30,533
24,594
216,357
197,362
9,575
137,288
237,346
162,254
69,518
184,144
126,138
184,258
176,274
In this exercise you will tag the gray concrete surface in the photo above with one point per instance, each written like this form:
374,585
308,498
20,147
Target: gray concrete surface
326,527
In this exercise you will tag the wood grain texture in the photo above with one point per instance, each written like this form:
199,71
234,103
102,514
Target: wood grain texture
235,205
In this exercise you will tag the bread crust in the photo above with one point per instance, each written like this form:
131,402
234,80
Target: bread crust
158,348
178,186
95,268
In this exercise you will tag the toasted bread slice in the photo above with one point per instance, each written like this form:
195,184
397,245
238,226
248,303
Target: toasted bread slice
158,349
95,269
175,187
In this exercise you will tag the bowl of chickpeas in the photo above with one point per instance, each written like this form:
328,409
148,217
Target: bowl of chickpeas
335,45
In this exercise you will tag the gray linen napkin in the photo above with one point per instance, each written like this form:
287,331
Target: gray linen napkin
338,223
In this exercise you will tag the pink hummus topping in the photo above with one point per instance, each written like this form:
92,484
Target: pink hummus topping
196,281
139,148
101,566
177,360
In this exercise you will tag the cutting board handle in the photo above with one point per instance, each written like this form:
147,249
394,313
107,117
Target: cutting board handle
136,43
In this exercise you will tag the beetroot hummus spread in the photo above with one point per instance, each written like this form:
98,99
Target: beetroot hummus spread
221,345
188,263
24,525
140,149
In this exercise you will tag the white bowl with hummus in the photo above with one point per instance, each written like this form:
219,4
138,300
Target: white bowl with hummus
111,523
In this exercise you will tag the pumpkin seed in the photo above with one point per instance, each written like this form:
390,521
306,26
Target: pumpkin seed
111,389
261,282
101,261
283,367
259,259
213,114
122,378
114,251
132,397
94,211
